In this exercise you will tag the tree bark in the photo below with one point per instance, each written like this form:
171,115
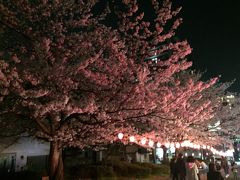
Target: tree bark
165,158
56,163
154,155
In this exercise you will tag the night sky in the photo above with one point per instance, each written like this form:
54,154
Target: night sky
212,27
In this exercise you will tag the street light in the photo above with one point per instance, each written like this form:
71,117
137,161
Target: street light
132,138
120,135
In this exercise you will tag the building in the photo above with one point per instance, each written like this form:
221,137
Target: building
24,153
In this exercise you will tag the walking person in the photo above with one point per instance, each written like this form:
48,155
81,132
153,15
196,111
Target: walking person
173,170
180,167
191,169
224,165
234,170
213,174
203,169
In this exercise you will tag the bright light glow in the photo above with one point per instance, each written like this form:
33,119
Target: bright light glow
158,144
229,153
191,145
192,154
159,153
132,138
183,144
167,145
177,145
206,154
208,147
204,147
151,143
143,141
186,154
172,149
214,151
120,135
200,154
231,96
187,143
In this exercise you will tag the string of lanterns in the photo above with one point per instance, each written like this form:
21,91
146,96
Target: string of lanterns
186,143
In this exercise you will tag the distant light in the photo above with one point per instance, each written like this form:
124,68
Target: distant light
206,154
120,135
230,97
158,144
194,146
200,154
183,144
204,147
177,145
143,141
167,145
132,138
191,145
192,154
186,154
186,143
151,143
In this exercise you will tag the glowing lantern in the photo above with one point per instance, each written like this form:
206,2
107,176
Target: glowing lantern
158,144
187,143
132,138
191,145
120,135
195,146
183,144
150,143
143,141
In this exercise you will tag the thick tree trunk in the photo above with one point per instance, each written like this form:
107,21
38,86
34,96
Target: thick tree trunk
165,158
56,163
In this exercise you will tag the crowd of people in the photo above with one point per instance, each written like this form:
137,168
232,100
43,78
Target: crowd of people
196,169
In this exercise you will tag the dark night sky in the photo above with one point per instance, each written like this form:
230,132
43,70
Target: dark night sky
212,27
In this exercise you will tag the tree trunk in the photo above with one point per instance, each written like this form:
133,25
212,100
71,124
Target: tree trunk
154,155
165,157
56,163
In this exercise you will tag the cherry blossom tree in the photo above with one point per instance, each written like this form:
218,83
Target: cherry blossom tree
218,129
226,120
69,78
